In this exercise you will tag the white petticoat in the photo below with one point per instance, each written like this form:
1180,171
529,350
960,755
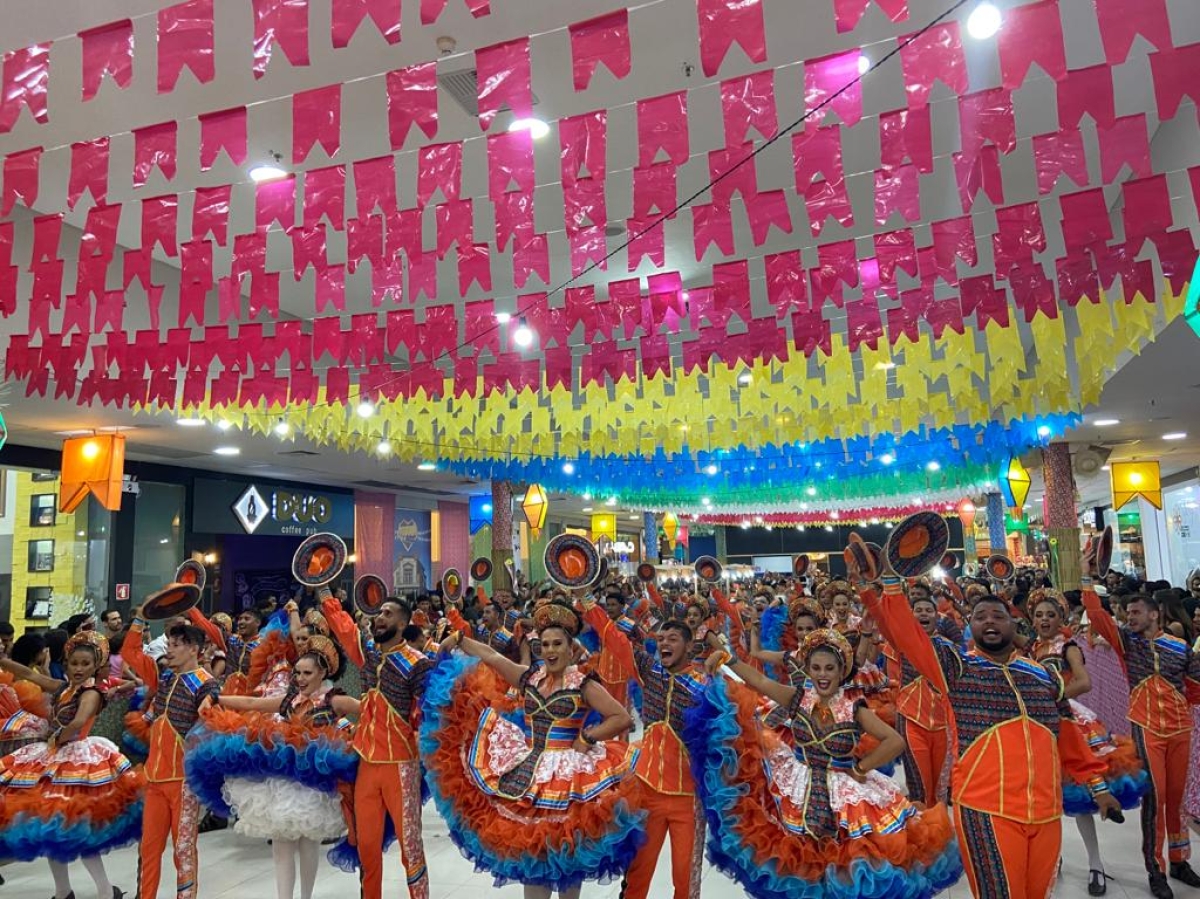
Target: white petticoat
507,746
791,779
281,809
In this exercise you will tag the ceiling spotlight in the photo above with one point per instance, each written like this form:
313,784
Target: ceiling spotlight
536,127
887,459
829,527
984,21
800,527
758,519
227,451
864,64
268,171
587,509
191,422
745,379
222,425
634,517
706,501
933,465
365,409
874,521
711,470
745,525
811,491
1106,468
611,501
384,447
283,429
1106,422
523,336
503,317
1175,435
1044,431
568,468
835,515
427,466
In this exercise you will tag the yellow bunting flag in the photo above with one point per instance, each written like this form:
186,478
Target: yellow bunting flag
604,525
1131,479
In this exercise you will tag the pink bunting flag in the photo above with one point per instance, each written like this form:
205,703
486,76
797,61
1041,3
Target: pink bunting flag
662,124
431,10
864,326
726,22
1032,34
1087,91
325,196
933,55
455,225
1059,153
953,239
1147,209
21,176
275,203
787,283
160,218
223,130
604,39
987,117
26,81
767,210
645,242
654,189
1121,21
1126,142
195,280
897,190
980,297
514,217
474,267
1174,71
895,251
906,135
712,225
375,185
848,13
1019,235
316,118
504,79
349,14
185,39
976,172
210,213
439,167
412,99
584,143
89,171
832,84
107,50
589,248
154,147
749,102
1085,221
510,161
282,22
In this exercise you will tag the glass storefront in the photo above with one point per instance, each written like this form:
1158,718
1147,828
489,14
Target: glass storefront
157,537
1181,505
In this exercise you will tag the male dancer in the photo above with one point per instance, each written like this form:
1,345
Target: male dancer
666,789
1164,677
180,694
1005,711
611,670
389,773
240,649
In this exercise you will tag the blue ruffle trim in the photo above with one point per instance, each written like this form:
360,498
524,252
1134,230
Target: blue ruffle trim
28,838
344,856
576,859
590,640
636,697
1126,789
771,626
214,756
711,735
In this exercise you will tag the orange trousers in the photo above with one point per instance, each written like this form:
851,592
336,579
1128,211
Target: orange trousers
683,819
924,759
1166,761
1007,859
380,790
170,808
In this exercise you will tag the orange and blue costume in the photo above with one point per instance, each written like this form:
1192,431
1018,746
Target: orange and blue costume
1164,682
521,802
921,721
1004,725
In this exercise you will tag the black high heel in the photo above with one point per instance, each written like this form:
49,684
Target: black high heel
117,894
1097,882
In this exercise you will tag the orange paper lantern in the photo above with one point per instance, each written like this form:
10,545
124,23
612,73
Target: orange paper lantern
535,505
92,465
966,512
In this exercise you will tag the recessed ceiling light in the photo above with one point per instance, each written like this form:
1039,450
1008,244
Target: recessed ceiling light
864,63
887,459
711,470
266,172
283,429
745,379
1106,422
427,466
365,409
384,447
536,127
227,451
1044,431
934,465
634,517
568,468
587,508
984,21
884,366
706,501
223,425
523,336
829,527
1175,435
503,317
191,422
811,491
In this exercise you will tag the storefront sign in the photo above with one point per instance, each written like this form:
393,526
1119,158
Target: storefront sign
226,507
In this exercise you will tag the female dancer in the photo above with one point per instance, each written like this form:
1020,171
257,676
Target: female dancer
813,821
1126,777
279,765
73,796
548,810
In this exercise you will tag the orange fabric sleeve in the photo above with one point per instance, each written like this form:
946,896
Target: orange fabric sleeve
1078,760
1102,623
655,596
458,623
612,639
898,626
344,629
736,628
211,631
135,657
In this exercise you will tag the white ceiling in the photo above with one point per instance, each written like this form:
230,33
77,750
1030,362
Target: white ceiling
664,38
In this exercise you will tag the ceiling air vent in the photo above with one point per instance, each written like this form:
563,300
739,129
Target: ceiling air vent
463,87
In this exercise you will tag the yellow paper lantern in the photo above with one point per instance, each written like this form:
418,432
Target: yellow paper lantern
1017,481
92,465
1133,479
670,526
604,525
535,505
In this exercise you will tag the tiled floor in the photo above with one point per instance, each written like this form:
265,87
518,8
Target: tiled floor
233,868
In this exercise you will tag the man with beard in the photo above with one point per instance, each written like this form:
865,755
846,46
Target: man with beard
239,649
945,625
671,685
1007,780
1164,680
389,773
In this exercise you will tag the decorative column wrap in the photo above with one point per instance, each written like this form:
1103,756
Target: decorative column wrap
502,533
650,536
1062,524
455,538
374,524
995,518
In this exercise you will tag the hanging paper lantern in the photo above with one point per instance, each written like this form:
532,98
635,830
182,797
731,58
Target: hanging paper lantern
92,465
1016,481
1133,479
604,525
966,512
535,505
670,526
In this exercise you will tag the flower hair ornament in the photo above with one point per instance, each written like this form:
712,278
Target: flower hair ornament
802,605
831,640
1045,594
98,642
323,647
556,614
833,588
